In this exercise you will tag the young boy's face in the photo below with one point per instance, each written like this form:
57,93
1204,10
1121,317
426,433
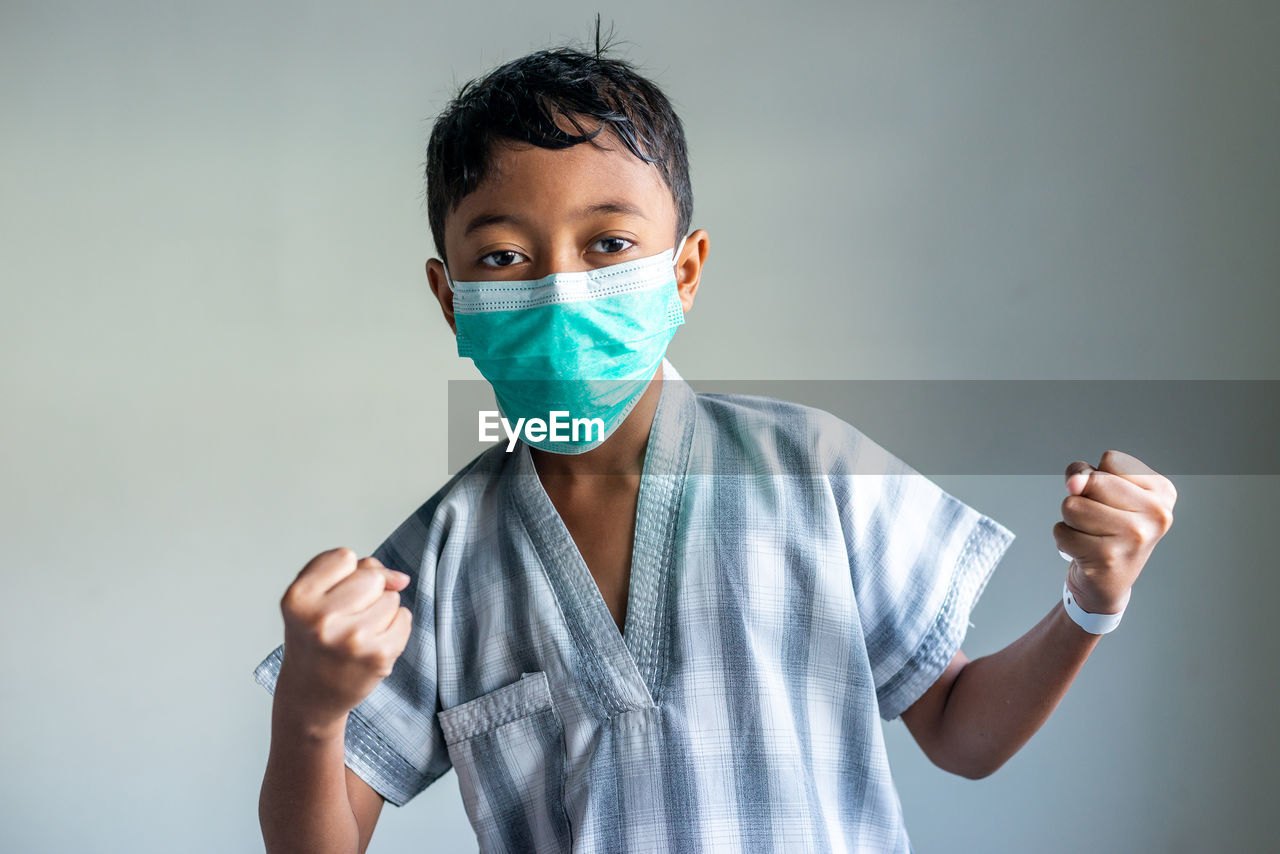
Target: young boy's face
543,211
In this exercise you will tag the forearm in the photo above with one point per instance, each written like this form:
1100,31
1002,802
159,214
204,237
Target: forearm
304,806
999,701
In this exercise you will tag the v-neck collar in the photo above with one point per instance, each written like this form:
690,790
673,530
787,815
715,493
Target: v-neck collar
626,670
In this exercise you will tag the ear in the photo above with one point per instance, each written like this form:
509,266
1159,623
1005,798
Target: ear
442,291
689,266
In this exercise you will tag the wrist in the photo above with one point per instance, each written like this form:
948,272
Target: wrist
1093,623
296,713
1092,601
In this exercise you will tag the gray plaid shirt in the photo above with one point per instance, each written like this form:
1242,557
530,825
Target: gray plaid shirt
792,584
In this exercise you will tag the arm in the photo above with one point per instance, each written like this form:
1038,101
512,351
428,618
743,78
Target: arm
981,712
344,629
367,806
310,800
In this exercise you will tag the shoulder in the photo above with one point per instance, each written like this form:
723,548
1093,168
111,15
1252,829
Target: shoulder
793,436
452,509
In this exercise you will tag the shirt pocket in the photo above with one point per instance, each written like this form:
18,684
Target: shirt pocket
508,749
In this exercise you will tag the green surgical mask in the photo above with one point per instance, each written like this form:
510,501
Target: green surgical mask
572,349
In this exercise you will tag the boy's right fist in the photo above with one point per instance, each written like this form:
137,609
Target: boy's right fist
344,628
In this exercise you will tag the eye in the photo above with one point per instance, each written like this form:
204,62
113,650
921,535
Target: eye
614,241
503,253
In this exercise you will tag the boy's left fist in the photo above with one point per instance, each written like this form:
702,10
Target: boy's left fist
1111,520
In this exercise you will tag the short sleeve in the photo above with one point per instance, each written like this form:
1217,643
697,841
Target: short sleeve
393,740
919,558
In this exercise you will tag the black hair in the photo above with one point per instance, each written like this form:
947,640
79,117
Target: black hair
521,100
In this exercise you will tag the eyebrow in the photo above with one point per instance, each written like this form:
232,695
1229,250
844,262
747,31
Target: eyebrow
612,206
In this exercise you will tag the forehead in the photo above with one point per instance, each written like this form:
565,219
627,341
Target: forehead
556,183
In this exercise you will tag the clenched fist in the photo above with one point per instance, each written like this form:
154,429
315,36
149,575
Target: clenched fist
344,628
1112,518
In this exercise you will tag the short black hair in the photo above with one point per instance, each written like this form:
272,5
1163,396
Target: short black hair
521,99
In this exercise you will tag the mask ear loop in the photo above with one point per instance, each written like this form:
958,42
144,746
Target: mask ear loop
676,254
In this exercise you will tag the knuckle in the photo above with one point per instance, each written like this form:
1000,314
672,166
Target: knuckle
296,597
343,554
364,580
1110,456
324,630
383,662
355,642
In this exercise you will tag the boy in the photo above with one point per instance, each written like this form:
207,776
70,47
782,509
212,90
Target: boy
679,628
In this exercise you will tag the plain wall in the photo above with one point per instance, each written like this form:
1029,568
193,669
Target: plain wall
219,356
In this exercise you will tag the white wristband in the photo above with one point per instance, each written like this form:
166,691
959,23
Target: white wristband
1097,624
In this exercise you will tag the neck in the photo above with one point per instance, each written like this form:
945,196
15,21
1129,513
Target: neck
621,454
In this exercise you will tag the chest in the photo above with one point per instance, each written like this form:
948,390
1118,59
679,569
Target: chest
601,520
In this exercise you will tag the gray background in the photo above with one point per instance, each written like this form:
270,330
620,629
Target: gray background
219,356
